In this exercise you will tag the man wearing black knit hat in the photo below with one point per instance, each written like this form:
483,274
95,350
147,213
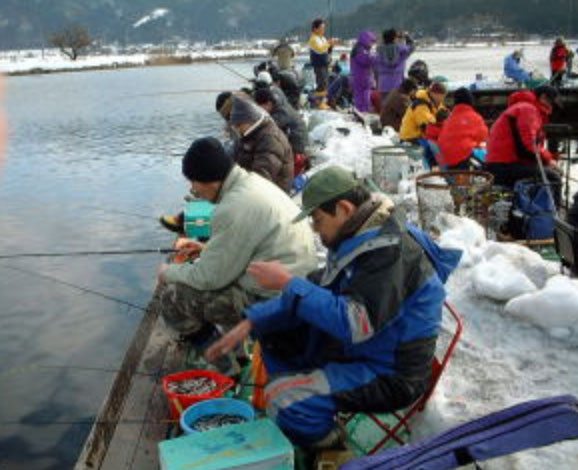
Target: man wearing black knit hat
251,222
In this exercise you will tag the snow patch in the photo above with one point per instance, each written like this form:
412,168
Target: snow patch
154,15
553,308
500,280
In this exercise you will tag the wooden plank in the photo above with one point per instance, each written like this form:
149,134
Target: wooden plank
146,454
145,417
147,351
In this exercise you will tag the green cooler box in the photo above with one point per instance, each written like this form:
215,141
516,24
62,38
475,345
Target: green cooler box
254,445
198,215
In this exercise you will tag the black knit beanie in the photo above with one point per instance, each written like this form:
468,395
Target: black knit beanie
221,99
206,161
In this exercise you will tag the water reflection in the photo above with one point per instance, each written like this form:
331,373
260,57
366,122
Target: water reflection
80,144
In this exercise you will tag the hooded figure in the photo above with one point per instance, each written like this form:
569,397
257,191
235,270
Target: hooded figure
517,139
391,59
362,63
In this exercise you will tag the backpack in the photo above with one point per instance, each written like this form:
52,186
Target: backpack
533,211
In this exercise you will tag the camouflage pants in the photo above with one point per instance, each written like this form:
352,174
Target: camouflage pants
186,309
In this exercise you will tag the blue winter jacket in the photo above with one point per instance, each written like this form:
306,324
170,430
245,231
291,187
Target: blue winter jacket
378,303
513,69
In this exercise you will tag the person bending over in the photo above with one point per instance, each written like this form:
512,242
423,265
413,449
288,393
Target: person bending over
251,222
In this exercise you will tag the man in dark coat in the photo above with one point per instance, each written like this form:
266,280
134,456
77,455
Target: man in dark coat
289,121
396,103
262,146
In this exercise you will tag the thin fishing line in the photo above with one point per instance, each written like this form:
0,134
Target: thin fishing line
91,253
34,367
74,286
86,423
114,211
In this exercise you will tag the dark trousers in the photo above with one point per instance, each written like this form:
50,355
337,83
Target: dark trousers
506,174
321,77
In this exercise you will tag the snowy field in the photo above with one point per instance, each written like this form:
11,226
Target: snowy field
520,340
457,62
52,59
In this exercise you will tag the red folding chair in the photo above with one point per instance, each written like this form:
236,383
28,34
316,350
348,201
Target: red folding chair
403,417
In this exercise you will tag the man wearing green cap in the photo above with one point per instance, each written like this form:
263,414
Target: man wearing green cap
360,334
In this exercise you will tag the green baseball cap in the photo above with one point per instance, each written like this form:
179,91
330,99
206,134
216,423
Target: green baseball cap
325,186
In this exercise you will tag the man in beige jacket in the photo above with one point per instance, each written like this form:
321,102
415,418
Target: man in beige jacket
251,222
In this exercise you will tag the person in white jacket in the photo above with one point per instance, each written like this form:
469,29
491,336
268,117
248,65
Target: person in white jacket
251,222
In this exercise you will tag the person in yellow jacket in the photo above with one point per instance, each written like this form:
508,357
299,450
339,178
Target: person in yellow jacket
320,55
422,111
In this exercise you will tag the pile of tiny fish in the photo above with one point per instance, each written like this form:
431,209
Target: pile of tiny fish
196,386
216,421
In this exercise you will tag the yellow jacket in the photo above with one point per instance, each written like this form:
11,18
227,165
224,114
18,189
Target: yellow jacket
421,112
319,44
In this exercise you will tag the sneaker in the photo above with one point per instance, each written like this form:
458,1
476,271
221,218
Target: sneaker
174,223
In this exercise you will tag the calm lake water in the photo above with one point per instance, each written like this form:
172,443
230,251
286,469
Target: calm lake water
83,148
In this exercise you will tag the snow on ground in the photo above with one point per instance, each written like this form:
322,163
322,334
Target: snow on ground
52,59
510,352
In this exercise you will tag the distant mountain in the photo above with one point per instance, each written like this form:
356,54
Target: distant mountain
451,18
27,23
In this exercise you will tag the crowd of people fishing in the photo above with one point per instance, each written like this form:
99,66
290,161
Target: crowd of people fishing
360,333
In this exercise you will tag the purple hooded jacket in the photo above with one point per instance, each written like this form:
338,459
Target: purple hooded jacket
363,61
390,65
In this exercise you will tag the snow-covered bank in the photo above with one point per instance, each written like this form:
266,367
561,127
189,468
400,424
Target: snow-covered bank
52,61
520,340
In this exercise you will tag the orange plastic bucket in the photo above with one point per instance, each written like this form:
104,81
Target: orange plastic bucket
179,402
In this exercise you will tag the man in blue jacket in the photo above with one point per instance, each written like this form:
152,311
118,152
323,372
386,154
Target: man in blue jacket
359,335
513,69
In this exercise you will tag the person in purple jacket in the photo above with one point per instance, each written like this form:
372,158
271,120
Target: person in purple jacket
392,56
362,64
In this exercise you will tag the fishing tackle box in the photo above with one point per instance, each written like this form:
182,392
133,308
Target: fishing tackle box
198,215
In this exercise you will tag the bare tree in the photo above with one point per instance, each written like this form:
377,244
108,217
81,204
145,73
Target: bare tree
71,41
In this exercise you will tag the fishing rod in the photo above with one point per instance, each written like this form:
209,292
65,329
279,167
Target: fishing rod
329,17
218,62
74,286
232,70
183,92
91,253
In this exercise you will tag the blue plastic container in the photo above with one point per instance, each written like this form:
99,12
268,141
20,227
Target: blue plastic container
198,215
226,406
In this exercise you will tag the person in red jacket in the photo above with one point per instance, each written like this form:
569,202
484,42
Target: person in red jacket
463,131
560,55
517,139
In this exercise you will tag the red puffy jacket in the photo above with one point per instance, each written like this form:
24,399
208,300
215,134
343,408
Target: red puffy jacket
559,58
463,131
518,132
